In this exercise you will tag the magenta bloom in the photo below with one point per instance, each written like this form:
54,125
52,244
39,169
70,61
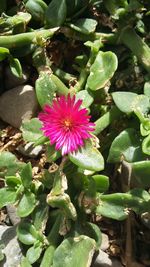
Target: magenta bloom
66,124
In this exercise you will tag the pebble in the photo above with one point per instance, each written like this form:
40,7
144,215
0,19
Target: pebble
18,104
12,81
104,260
12,213
12,251
29,150
105,242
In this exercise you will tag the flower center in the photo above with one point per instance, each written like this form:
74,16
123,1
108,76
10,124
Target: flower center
68,124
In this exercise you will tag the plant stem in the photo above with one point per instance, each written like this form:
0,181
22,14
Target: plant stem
110,38
137,45
22,39
107,119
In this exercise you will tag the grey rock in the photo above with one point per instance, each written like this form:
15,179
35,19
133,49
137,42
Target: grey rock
104,260
18,104
12,81
12,250
105,242
29,150
12,213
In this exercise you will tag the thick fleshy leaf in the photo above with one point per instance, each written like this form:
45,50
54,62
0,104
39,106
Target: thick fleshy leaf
48,257
86,97
27,233
124,100
31,130
102,70
34,252
73,252
126,145
85,26
128,102
93,231
56,13
141,103
15,67
147,89
146,145
26,204
102,182
25,262
36,9
141,174
13,181
4,52
117,205
7,196
40,214
45,89
26,175
88,157
9,164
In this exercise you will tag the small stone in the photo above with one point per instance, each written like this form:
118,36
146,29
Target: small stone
12,251
12,81
29,150
104,260
18,104
105,242
12,213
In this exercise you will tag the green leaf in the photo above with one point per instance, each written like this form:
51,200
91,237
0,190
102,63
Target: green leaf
56,13
25,262
85,26
15,67
31,130
9,164
27,233
36,9
34,252
7,196
40,214
102,182
4,52
126,145
141,174
88,157
102,70
147,89
93,231
26,175
73,252
141,103
26,204
52,154
124,101
13,181
61,88
117,205
146,145
86,97
111,210
45,89
48,257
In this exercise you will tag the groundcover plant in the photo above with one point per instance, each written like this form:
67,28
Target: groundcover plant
90,65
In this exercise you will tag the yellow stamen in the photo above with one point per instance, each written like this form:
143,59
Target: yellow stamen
67,123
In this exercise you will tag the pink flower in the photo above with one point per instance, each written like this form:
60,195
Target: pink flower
66,124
